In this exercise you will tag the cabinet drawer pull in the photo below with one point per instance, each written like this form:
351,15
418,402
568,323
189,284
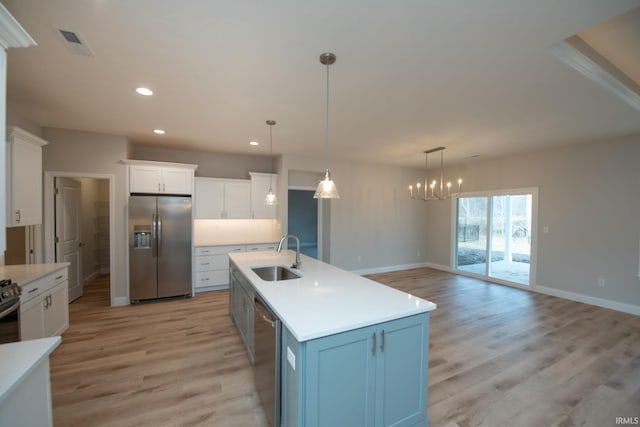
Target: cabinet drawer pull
205,263
32,290
205,279
373,348
382,339
18,216
59,277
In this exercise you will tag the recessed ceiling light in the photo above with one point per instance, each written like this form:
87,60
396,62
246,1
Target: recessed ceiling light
254,143
159,132
144,91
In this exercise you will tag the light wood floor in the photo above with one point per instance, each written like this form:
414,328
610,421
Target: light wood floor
499,357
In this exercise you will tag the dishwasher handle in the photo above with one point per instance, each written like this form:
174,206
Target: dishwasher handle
259,307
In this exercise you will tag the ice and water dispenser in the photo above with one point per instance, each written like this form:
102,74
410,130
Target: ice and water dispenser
142,237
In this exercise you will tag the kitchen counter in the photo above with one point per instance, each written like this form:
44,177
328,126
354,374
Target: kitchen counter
25,389
19,358
25,273
326,300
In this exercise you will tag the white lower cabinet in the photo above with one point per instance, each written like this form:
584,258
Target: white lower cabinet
44,306
212,264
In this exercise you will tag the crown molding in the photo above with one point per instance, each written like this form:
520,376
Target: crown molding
11,32
577,54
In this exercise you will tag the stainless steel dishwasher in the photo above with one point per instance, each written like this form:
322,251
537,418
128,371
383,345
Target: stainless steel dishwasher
267,330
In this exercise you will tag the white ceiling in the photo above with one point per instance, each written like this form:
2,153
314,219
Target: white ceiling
473,76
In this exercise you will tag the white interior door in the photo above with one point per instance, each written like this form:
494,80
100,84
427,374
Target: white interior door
68,232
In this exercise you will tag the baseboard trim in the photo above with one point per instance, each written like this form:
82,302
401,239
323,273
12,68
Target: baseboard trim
119,301
585,299
90,277
388,269
441,267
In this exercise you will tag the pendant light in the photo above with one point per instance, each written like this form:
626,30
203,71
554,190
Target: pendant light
327,188
271,199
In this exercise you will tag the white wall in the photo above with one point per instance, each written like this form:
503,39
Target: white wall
589,198
15,119
218,165
374,225
94,153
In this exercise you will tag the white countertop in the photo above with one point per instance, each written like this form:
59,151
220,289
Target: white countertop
20,358
326,300
23,274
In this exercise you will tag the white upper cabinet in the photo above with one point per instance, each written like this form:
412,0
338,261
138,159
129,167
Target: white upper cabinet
260,184
160,178
222,198
24,178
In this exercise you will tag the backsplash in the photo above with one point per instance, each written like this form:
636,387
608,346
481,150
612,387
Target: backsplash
209,232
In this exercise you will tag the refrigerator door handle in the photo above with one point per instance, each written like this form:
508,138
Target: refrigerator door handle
154,236
159,225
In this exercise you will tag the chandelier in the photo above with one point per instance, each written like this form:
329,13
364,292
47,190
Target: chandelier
433,190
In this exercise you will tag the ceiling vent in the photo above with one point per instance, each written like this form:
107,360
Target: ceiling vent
74,42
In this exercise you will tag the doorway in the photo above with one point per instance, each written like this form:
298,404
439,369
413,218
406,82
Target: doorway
495,235
79,226
304,213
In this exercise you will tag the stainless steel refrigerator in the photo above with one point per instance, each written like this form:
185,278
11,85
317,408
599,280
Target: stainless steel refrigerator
159,247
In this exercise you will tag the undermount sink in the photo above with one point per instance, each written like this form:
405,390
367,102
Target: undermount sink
274,273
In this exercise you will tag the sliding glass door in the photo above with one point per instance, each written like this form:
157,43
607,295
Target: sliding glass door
471,254
494,235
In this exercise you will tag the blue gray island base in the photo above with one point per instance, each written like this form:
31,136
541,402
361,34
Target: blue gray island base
372,376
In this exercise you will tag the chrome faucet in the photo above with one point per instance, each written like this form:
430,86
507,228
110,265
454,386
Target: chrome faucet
285,238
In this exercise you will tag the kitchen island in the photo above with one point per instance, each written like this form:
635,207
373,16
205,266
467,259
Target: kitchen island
354,352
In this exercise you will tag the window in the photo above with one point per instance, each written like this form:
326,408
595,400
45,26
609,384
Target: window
494,235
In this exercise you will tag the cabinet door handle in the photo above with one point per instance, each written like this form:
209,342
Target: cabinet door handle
158,186
382,344
18,216
164,187
373,349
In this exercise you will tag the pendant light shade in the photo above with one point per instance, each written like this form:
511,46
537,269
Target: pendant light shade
271,198
327,188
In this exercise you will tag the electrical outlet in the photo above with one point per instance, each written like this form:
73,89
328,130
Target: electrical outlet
601,282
